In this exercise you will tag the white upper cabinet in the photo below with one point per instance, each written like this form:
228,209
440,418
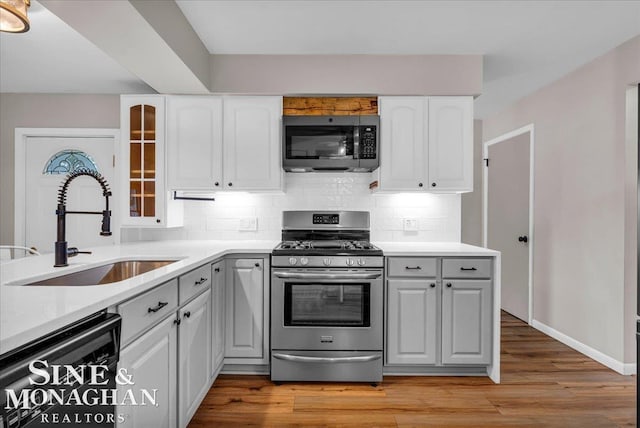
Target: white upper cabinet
403,154
252,143
143,185
451,144
194,142
426,144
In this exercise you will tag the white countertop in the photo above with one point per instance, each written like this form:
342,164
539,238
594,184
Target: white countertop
27,313
433,249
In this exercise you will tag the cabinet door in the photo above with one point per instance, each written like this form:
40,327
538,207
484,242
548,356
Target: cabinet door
217,316
194,142
466,322
142,122
451,144
152,362
252,143
411,321
194,355
403,143
244,306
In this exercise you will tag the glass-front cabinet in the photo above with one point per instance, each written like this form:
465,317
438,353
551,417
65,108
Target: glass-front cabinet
143,155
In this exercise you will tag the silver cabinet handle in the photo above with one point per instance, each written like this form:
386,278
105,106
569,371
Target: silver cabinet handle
302,275
302,359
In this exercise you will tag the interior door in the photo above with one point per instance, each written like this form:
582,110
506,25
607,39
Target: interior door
47,161
508,219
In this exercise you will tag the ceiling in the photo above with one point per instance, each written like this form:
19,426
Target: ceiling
526,44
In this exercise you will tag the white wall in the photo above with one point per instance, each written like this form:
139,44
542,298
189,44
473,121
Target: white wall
438,216
44,111
580,177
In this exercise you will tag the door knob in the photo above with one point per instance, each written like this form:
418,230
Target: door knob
523,239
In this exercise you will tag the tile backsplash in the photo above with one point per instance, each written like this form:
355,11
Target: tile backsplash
237,215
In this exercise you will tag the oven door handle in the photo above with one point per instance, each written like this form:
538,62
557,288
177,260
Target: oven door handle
304,275
303,359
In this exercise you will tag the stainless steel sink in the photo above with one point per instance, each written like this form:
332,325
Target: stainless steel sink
105,274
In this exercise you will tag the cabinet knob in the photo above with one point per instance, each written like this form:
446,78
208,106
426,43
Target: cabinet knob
216,270
177,321
449,285
433,184
420,184
257,265
187,314
432,285
524,239
157,220
230,184
216,184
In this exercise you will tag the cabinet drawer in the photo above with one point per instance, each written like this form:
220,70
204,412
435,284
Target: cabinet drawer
194,282
466,268
412,266
143,311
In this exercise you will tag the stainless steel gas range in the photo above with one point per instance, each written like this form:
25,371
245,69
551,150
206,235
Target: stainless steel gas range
326,299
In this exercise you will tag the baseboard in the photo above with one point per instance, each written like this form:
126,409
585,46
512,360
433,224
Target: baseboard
604,359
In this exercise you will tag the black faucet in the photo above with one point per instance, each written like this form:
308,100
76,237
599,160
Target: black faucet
62,252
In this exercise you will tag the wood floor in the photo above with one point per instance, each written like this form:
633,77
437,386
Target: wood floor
544,384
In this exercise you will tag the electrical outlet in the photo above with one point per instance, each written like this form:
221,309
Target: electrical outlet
410,224
248,224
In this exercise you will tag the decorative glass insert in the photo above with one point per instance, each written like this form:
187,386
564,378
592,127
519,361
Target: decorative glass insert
68,161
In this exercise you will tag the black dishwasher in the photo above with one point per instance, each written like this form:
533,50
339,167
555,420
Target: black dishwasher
92,341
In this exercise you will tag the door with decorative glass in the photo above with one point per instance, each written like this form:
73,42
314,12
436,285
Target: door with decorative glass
47,161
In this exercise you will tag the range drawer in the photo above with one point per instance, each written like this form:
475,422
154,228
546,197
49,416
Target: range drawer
194,282
412,266
466,268
140,313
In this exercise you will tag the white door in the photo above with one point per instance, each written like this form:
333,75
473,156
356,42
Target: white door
151,360
411,326
508,218
252,143
451,143
403,154
244,309
44,155
194,142
194,350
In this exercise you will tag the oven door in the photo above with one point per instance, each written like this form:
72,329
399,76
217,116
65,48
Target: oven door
326,309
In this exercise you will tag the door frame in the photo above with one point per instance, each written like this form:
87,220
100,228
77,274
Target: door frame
485,199
20,159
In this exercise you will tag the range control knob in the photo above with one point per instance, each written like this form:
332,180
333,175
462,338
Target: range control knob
349,262
304,261
293,260
326,262
361,262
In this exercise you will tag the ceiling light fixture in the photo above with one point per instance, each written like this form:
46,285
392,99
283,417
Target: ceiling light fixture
13,16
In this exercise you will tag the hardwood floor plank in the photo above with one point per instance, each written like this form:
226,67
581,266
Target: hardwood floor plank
544,384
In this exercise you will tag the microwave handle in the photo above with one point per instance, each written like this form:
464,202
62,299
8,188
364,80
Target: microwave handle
356,142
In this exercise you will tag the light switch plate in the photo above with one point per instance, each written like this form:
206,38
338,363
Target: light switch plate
248,224
410,224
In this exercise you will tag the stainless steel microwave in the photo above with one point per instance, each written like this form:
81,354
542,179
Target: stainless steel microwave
330,143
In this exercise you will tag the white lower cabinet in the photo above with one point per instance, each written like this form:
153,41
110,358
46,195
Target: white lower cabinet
466,321
245,309
152,361
411,323
439,311
194,355
217,316
174,356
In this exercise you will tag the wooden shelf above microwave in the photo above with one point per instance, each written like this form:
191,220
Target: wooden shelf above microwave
329,106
